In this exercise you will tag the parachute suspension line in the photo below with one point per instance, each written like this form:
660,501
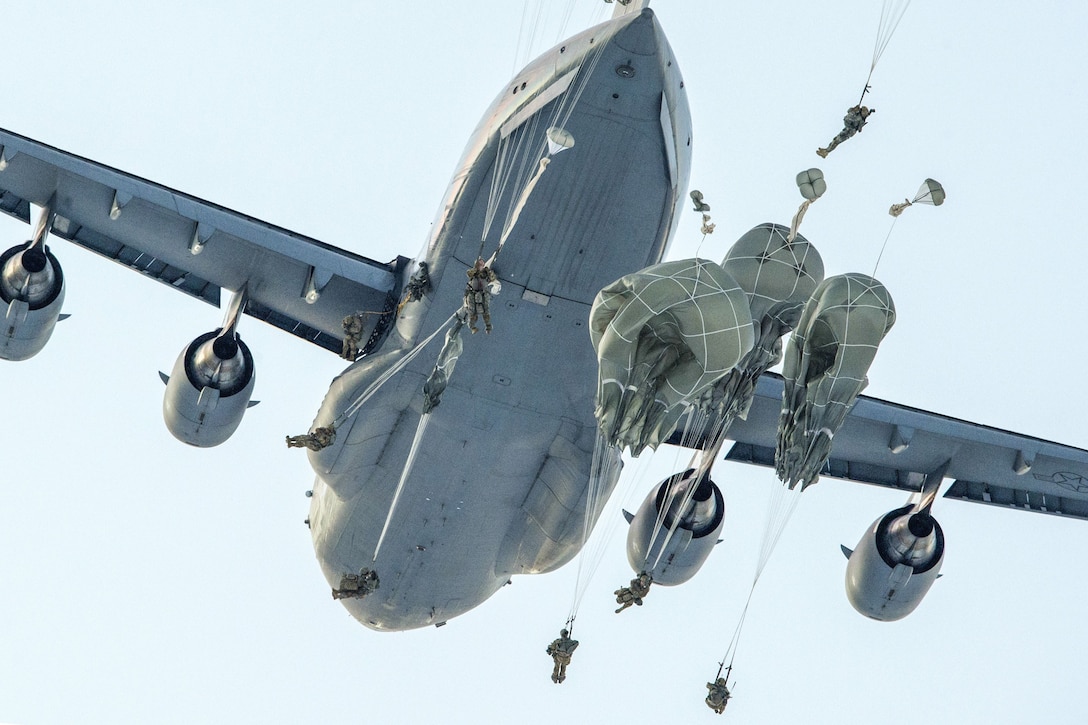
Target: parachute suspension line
781,505
890,14
498,184
695,423
591,484
569,101
520,171
527,173
506,161
405,472
884,245
353,408
667,500
567,14
689,493
598,547
731,651
702,461
527,35
867,87
602,469
525,167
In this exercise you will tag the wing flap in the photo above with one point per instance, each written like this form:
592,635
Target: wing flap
895,446
197,247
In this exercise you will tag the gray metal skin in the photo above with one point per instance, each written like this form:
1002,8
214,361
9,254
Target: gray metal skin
499,485
206,396
895,564
32,293
672,559
28,323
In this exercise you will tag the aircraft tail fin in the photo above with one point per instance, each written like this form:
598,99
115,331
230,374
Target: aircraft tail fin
630,6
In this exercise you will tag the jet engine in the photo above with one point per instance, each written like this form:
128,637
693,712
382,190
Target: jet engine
895,563
209,390
32,290
694,516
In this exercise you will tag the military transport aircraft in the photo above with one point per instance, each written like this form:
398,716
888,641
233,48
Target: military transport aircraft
476,446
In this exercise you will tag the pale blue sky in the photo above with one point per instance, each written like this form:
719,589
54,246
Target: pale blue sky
143,581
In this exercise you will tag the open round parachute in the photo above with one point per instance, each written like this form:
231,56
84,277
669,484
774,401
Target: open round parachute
779,277
663,336
930,192
825,369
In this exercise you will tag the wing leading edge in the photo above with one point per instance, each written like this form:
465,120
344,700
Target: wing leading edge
298,284
895,446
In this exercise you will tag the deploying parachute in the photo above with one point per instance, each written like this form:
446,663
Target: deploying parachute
812,186
930,192
778,276
663,336
825,369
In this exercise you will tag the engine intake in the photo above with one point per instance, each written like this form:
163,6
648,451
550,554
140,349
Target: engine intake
694,529
895,564
209,389
32,290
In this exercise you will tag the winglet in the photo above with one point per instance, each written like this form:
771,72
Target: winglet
628,515
251,403
846,552
164,378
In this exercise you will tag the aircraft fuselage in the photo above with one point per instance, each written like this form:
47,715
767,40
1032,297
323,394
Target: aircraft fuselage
498,482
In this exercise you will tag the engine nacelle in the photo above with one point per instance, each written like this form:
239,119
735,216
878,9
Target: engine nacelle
32,291
694,528
209,390
895,564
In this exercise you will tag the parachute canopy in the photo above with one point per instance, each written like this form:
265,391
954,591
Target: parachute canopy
811,184
663,336
778,277
559,139
825,369
930,192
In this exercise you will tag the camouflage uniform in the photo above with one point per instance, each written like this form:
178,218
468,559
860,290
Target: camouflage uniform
640,587
852,123
560,650
357,586
353,331
322,437
482,283
718,696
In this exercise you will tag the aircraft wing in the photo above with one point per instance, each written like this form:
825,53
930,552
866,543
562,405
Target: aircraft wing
895,445
298,284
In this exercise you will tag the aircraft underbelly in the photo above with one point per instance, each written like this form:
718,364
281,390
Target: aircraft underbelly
496,483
